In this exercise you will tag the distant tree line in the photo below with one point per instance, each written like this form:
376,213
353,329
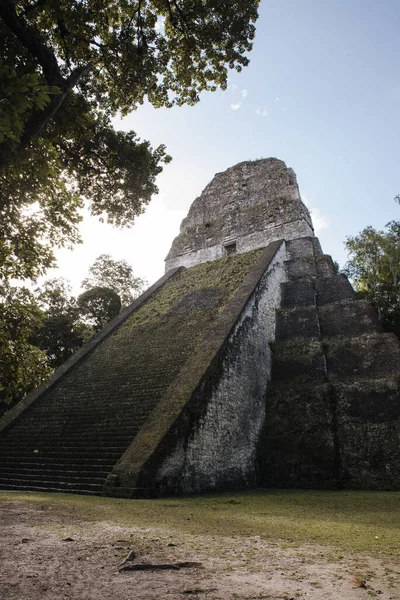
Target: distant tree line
42,328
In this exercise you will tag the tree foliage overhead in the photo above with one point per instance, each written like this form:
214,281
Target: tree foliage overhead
114,274
374,267
66,68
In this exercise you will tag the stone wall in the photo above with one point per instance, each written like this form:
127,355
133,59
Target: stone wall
246,207
333,406
219,450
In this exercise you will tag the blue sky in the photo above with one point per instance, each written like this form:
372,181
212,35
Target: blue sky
322,93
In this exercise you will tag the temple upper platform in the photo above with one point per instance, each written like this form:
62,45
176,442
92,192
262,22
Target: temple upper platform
244,208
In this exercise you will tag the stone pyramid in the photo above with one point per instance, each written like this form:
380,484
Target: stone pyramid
251,362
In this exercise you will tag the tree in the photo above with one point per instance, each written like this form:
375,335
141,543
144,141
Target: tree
62,332
116,275
98,306
54,298
23,366
374,267
67,68
59,337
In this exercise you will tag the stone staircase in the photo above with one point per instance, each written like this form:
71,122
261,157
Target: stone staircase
70,438
76,458
333,403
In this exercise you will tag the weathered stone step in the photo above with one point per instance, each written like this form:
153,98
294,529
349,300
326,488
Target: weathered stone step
77,437
67,456
298,268
368,356
37,447
83,426
299,360
67,444
371,356
46,471
369,400
332,434
301,321
96,491
76,464
348,317
128,417
319,291
297,449
368,427
307,247
59,479
80,431
76,485
333,289
298,293
102,410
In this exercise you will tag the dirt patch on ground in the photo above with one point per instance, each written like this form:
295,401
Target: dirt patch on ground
54,554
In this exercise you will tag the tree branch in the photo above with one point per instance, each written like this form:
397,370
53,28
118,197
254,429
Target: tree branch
32,42
40,118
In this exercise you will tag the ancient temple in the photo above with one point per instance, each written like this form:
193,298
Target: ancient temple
251,362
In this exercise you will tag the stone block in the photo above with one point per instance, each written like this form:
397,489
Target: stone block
317,247
299,360
298,446
368,430
300,292
297,322
300,248
301,267
348,317
370,356
332,289
324,265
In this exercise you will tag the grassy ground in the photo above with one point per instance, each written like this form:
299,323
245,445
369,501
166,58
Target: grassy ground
355,521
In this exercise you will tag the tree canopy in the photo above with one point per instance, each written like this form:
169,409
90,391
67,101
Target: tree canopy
374,267
98,306
116,275
62,331
23,365
66,69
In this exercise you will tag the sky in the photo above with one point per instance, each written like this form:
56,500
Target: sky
322,93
